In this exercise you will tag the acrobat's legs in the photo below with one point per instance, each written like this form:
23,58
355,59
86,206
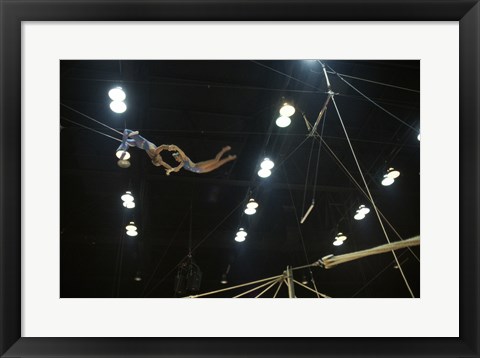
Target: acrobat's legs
213,164
219,155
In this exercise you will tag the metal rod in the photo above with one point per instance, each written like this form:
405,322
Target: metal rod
278,288
290,284
265,290
308,212
320,115
254,289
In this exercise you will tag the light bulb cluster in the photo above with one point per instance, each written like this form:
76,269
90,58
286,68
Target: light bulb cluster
361,212
265,168
131,229
128,200
339,239
251,208
286,112
241,235
389,178
117,95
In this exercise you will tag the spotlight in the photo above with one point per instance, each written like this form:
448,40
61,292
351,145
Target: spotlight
252,204
267,164
337,243
264,173
239,238
132,233
362,209
283,121
123,163
118,106
287,110
241,232
418,137
117,94
127,196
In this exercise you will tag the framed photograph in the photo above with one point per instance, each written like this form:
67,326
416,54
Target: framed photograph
239,178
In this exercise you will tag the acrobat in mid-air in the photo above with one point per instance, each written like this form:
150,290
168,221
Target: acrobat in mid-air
134,139
200,167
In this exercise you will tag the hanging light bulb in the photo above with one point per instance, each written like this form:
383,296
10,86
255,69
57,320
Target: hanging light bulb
250,211
364,210
129,204
117,94
239,238
132,233
118,106
392,173
337,243
124,153
304,279
138,277
287,110
340,237
267,164
418,137
283,121
127,196
241,232
123,163
264,173
252,204
387,180
359,216
131,226
224,280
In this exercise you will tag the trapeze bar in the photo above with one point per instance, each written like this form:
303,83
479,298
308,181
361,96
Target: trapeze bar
308,212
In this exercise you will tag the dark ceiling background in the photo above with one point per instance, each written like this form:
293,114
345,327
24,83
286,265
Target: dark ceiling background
202,106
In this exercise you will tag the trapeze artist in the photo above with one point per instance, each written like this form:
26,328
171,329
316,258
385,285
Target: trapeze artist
200,167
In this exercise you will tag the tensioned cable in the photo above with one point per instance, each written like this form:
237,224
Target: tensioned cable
91,129
339,162
377,275
376,104
306,178
319,150
164,253
299,228
286,75
370,195
93,119
278,289
376,82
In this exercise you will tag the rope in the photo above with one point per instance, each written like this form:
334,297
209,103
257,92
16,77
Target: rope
308,288
93,119
370,195
255,288
265,290
237,286
376,104
331,261
91,129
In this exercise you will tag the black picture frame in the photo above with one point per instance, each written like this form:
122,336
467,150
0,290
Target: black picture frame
13,12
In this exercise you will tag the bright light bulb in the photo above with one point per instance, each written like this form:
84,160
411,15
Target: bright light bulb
359,216
418,137
387,181
127,196
264,173
392,173
119,154
250,211
117,94
240,238
241,232
337,243
129,204
283,121
362,209
267,164
131,227
340,237
252,204
132,233
118,106
287,110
